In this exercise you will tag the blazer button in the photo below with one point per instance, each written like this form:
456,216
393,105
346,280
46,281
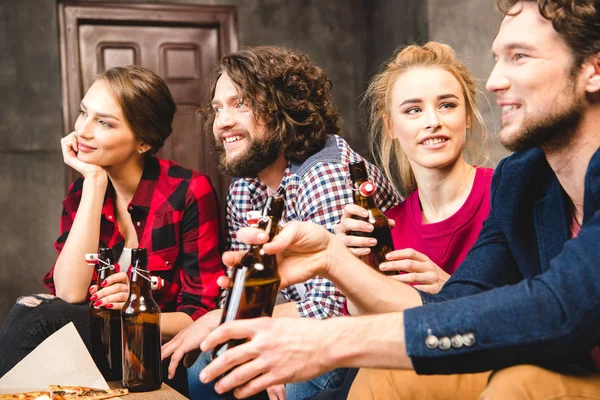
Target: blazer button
431,342
468,339
457,341
445,343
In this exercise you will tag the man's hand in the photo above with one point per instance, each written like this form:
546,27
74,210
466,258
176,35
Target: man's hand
303,250
421,272
189,339
279,350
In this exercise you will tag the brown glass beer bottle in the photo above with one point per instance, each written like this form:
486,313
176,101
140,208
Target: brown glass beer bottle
255,281
140,317
362,194
105,324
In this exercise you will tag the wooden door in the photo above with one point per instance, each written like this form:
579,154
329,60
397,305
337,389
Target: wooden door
182,44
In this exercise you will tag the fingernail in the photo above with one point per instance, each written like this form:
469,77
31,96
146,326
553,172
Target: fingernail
262,236
91,289
370,227
99,302
382,266
109,305
104,283
94,297
372,242
388,256
203,376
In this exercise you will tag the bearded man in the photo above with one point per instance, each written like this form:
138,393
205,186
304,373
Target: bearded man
276,132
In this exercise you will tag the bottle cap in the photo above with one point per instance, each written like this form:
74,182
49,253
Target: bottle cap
367,189
91,258
156,283
252,217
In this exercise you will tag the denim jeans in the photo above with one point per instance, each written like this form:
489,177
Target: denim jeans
293,391
32,320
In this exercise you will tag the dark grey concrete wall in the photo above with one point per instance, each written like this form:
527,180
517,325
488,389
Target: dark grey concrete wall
31,169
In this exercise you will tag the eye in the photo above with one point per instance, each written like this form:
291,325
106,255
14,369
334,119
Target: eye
447,106
105,124
217,109
413,110
240,104
83,113
518,57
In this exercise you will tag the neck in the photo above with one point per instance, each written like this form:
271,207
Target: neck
273,174
126,177
570,161
443,191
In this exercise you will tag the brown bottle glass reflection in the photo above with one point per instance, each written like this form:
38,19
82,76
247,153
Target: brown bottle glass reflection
140,318
105,324
255,280
362,194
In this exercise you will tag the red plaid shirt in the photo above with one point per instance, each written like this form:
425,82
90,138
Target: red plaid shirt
175,215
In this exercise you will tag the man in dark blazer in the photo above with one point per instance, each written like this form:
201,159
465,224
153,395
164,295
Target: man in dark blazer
525,302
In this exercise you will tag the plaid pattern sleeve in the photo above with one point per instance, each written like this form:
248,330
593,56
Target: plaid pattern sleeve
200,258
321,198
235,215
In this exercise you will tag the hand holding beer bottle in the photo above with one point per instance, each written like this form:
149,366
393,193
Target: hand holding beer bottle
376,232
105,324
255,280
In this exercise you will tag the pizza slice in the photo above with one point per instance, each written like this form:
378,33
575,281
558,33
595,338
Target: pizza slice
84,393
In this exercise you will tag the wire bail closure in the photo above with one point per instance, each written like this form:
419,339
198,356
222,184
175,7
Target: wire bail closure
94,258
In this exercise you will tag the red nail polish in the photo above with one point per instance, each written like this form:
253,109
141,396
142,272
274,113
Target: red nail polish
94,297
91,288
109,305
104,283
99,302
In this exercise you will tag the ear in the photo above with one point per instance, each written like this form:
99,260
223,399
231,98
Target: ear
387,124
468,122
593,74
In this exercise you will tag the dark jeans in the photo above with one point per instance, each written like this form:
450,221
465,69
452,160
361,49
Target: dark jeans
34,318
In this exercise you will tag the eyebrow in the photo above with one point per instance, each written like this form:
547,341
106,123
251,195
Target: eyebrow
229,99
101,115
515,45
440,97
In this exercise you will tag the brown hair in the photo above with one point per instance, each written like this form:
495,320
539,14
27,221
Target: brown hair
387,151
286,91
577,21
145,100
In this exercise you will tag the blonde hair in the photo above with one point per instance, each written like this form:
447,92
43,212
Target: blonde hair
387,151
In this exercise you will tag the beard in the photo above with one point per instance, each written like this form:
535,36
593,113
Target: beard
259,155
554,131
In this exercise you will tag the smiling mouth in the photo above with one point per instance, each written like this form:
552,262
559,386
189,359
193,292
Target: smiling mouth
512,107
431,141
232,139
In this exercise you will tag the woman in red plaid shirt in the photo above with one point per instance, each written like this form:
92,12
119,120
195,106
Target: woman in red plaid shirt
126,198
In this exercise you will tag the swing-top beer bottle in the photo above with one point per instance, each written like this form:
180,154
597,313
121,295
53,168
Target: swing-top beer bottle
140,318
105,324
362,193
255,280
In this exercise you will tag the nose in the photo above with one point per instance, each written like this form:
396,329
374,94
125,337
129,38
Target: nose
432,120
497,80
83,127
224,120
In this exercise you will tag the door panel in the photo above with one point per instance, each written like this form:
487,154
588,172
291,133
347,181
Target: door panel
181,43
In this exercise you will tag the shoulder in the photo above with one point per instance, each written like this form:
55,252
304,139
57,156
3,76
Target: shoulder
182,183
399,210
522,176
330,153
71,201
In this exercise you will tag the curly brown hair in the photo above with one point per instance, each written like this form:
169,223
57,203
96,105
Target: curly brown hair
286,91
577,21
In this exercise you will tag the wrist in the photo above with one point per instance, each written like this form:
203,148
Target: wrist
97,178
336,254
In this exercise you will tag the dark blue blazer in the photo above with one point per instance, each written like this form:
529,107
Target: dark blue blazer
526,293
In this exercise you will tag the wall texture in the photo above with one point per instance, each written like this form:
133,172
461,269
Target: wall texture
348,38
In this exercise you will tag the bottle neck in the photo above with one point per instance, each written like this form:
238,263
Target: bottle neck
140,283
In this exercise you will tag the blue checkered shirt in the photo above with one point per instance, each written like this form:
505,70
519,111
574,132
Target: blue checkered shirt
317,191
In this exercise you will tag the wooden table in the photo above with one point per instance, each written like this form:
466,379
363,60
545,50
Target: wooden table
166,392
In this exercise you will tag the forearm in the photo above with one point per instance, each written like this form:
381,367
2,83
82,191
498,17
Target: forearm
285,310
367,291
345,344
171,323
72,275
